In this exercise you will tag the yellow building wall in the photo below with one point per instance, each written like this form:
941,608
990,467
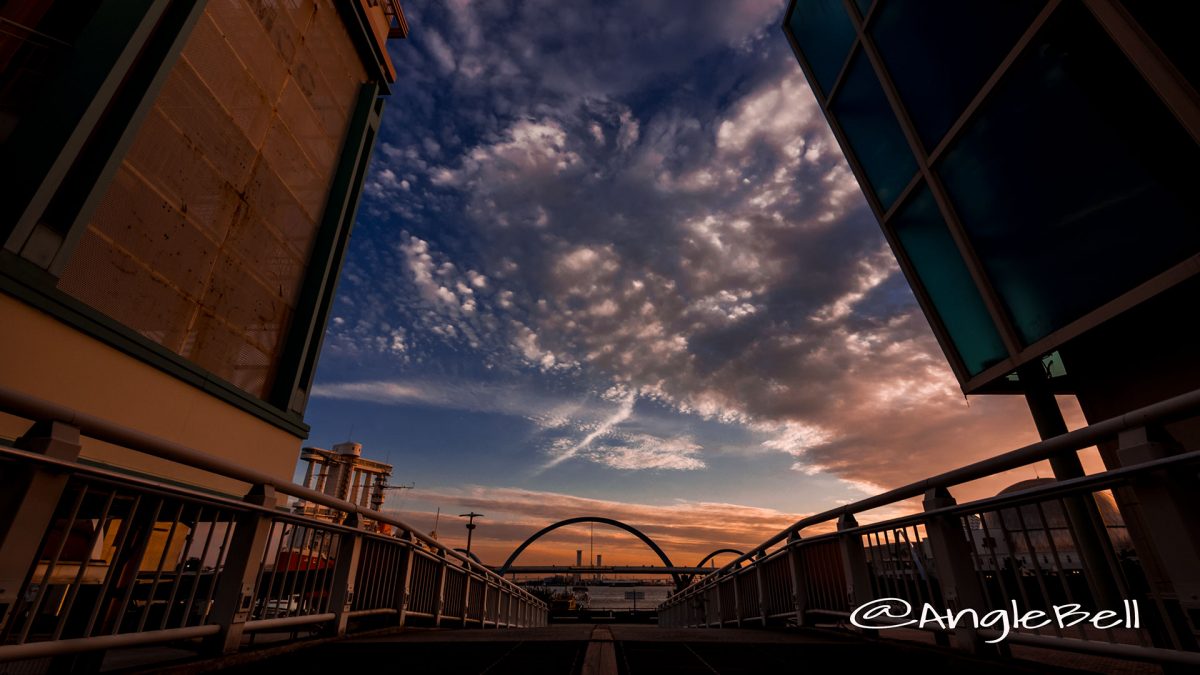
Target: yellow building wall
43,357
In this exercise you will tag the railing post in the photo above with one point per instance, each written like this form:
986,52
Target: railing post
720,615
1166,504
441,584
737,600
345,569
854,562
234,599
483,615
955,570
28,499
758,573
404,588
799,590
466,603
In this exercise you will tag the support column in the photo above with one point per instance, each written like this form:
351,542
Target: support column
955,570
234,599
322,477
1167,503
1086,524
352,496
308,474
28,499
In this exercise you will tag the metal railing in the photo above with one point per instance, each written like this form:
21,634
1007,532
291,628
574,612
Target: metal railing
93,559
394,13
1055,543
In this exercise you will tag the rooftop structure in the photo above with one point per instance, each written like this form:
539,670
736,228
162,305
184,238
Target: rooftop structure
343,473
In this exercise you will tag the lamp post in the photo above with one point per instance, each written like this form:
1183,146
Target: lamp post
470,525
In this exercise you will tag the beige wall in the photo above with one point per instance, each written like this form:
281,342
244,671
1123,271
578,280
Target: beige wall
48,359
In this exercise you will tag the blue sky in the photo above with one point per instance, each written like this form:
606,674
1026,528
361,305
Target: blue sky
610,258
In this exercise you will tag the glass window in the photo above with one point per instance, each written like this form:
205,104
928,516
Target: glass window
863,6
940,52
824,32
1074,182
863,111
927,243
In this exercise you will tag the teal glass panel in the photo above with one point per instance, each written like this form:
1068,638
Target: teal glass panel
931,250
874,134
940,52
863,6
824,32
1074,182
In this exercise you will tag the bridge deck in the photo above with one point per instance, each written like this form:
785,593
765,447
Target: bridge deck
591,649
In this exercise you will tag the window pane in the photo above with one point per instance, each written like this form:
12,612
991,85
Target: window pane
874,135
942,272
1074,182
824,32
940,52
863,6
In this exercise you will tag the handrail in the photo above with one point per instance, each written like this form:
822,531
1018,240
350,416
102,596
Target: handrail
1164,411
34,408
1092,482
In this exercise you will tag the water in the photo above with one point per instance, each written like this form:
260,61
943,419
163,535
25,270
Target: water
613,597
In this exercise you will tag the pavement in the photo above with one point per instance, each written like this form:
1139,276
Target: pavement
604,649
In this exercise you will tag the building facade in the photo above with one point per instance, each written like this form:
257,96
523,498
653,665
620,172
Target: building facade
180,183
1031,164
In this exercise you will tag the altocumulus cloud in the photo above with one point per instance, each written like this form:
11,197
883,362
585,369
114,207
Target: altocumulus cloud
648,201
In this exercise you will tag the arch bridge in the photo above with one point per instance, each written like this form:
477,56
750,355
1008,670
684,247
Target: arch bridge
682,576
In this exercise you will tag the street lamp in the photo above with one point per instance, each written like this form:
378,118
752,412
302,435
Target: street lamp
470,525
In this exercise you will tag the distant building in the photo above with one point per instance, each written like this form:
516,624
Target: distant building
1033,165
1038,536
180,182
344,474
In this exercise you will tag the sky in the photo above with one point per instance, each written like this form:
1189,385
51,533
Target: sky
610,261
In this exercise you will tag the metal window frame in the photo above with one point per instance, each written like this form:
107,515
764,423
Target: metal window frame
1176,93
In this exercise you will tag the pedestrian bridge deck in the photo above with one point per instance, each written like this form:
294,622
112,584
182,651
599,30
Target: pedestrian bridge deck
598,649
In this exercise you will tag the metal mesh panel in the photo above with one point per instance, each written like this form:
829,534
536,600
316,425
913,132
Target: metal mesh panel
202,240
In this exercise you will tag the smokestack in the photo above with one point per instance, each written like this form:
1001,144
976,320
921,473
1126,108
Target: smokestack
579,558
599,560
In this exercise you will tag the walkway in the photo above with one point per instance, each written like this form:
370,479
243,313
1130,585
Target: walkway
592,649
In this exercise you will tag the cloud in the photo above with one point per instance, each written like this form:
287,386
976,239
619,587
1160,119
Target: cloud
624,194
606,426
686,530
589,427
